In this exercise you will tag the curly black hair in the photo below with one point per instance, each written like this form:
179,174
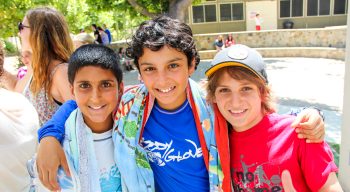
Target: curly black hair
156,33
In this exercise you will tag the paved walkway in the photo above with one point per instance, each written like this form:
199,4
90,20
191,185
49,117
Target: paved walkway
296,82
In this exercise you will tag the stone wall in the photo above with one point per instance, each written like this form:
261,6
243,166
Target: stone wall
320,37
319,42
314,52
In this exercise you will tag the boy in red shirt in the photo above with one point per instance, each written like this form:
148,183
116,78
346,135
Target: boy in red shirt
262,142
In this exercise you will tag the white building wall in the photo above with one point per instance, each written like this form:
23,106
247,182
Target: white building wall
267,11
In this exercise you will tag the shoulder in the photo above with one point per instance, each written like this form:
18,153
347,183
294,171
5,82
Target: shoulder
280,123
10,100
129,89
17,109
59,73
60,85
133,91
60,69
275,118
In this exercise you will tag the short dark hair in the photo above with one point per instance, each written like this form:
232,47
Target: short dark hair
156,33
94,55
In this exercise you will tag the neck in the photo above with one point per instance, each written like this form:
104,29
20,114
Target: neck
100,127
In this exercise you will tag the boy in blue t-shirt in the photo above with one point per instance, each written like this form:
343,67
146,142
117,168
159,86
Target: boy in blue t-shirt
165,136
95,77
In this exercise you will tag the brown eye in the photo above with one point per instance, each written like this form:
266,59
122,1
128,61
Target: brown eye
246,88
106,84
84,85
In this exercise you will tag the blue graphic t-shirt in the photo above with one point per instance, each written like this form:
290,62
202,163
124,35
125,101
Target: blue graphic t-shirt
172,143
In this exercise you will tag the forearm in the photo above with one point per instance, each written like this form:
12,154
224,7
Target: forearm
55,126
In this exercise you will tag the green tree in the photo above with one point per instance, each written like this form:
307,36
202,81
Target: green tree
149,8
12,12
121,16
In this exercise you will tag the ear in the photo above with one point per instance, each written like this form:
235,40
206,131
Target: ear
120,90
140,77
192,68
214,99
72,89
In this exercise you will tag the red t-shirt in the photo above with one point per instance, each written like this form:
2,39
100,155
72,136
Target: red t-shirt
260,154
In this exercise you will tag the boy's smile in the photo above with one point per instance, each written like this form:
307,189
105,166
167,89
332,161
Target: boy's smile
239,102
165,73
96,92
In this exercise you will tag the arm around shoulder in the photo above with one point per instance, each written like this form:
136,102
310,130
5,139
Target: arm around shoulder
55,126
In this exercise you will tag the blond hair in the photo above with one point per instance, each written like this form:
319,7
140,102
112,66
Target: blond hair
50,40
84,38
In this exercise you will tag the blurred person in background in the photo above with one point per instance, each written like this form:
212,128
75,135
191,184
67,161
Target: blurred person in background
108,32
82,39
229,41
18,139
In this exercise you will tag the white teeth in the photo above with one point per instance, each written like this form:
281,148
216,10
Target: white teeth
236,112
166,90
96,107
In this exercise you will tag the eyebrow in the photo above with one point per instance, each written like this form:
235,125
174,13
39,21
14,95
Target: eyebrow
225,84
103,80
169,61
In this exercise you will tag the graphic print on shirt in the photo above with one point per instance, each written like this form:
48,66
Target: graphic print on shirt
110,179
162,153
253,177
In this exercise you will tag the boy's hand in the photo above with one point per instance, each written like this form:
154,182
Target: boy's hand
287,182
50,156
309,125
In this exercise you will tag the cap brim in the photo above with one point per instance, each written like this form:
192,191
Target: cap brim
218,66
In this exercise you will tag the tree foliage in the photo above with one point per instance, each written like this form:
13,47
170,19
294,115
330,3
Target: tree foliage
121,16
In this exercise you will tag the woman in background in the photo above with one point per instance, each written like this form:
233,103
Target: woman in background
45,32
18,125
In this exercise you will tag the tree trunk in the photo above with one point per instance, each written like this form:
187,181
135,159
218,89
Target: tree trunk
177,9
141,9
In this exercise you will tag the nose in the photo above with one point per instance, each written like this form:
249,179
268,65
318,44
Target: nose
96,94
162,77
236,99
